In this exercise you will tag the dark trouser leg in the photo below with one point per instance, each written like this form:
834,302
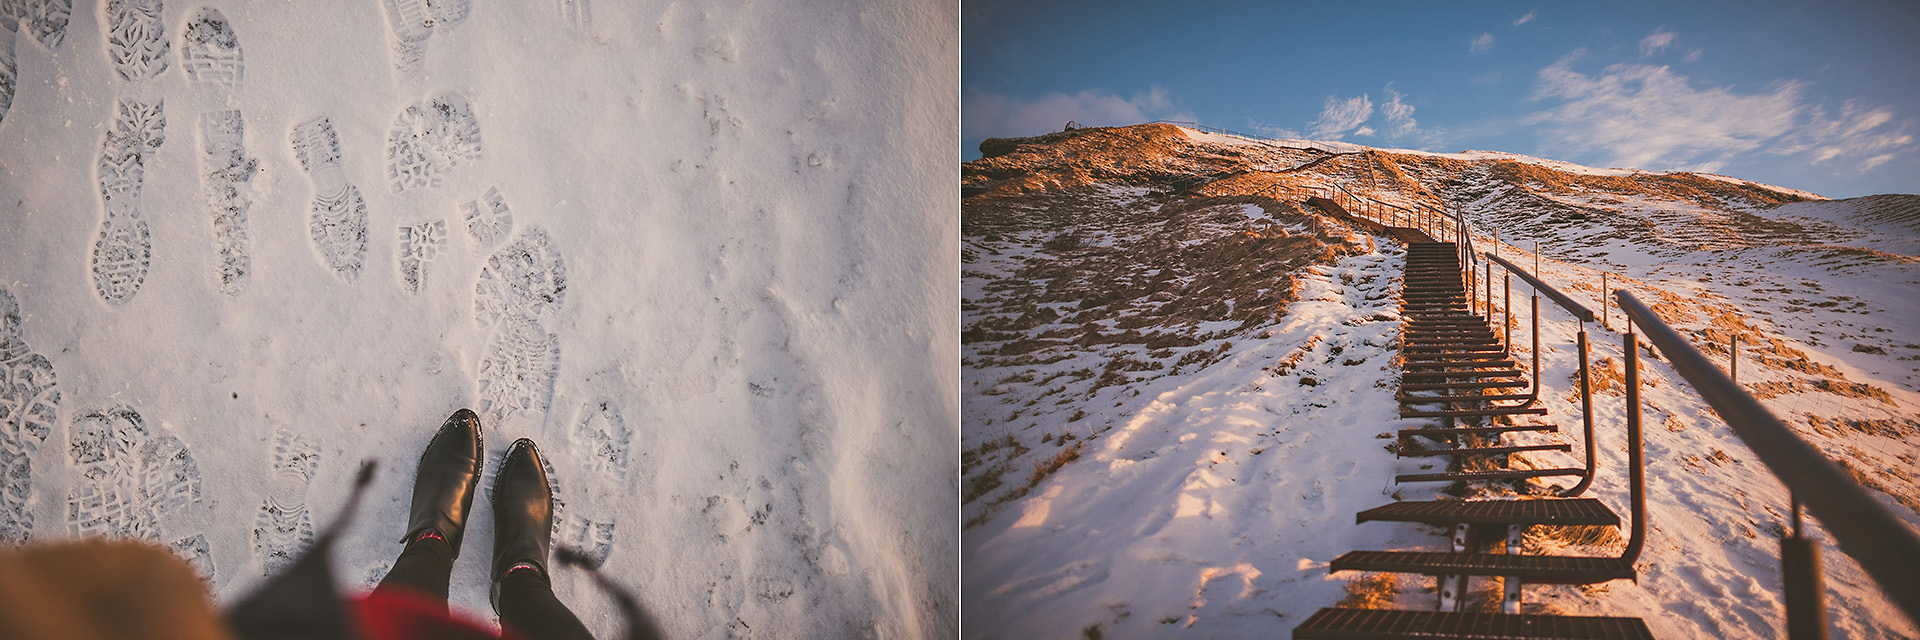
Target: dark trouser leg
527,604
424,566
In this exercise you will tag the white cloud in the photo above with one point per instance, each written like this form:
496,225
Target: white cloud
1363,131
1481,43
986,115
1399,115
1661,38
1340,116
1525,19
1648,117
1693,56
1874,134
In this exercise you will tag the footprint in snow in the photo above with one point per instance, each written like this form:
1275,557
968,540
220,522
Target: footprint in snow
131,480
29,408
337,219
123,250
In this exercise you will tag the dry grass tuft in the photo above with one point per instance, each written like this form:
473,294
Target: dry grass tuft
1370,591
1868,480
1608,376
1895,428
1046,466
1587,539
1846,389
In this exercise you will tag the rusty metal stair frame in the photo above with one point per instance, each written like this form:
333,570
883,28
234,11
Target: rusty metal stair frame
1422,366
1462,346
1453,569
1549,569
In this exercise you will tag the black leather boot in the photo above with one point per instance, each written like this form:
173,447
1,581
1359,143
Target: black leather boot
522,514
443,487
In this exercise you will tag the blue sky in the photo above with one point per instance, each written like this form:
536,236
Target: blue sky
1823,97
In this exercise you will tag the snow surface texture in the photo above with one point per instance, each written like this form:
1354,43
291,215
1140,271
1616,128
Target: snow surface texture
699,259
1207,501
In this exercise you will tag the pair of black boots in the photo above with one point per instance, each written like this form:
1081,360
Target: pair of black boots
522,498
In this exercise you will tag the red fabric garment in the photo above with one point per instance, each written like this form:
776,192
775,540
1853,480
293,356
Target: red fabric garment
402,614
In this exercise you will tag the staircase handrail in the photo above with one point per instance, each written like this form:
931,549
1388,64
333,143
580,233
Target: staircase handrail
1861,525
1578,310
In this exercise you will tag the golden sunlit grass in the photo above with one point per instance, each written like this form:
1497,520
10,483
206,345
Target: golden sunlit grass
1370,591
1046,466
1586,539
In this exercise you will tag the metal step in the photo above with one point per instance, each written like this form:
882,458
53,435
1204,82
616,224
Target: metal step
1413,327
1452,356
1464,328
1499,474
1425,344
1548,511
1471,348
1442,432
1535,569
1443,386
1359,624
1464,335
1404,398
1443,375
1469,413
1482,451
1457,365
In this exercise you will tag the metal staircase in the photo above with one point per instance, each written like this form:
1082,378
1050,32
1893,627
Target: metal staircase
1460,372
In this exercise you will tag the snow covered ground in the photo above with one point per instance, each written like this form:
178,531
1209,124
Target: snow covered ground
693,249
1215,501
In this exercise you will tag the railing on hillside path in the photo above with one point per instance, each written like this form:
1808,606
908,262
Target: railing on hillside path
1580,312
1434,222
1437,224
1861,525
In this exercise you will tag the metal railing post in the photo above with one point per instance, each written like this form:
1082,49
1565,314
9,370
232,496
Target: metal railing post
1506,307
1733,359
1636,467
1489,278
1586,417
1603,301
1534,395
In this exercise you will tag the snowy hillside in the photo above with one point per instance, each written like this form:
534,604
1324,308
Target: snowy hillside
1156,444
245,246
